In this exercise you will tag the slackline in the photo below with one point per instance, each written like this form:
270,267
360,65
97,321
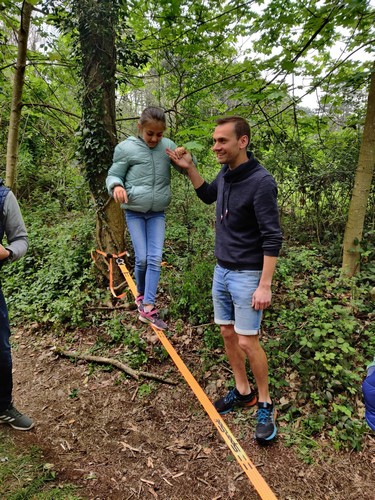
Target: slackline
248,467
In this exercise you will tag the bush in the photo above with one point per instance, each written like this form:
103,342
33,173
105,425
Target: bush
320,330
190,293
54,281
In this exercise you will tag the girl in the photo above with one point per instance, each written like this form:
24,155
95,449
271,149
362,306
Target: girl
139,179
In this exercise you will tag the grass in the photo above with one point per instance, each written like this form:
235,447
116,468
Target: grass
25,476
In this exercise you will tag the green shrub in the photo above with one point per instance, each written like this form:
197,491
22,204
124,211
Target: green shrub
190,293
319,327
55,280
135,348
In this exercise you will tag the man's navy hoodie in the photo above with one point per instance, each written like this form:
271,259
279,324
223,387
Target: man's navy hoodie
247,215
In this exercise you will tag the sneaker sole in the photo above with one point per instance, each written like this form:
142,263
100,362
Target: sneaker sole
18,428
251,403
22,428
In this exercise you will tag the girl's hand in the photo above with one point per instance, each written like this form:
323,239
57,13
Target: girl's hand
183,161
119,194
180,151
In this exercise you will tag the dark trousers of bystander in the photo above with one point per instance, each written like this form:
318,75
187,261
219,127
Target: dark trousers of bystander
6,380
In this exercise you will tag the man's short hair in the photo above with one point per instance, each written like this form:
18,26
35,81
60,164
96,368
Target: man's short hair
241,127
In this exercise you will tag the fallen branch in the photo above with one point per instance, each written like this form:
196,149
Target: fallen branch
128,307
114,362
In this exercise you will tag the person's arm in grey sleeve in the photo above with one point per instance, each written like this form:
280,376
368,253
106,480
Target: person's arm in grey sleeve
14,228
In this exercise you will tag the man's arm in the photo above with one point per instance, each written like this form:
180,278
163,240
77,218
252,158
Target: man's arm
267,214
263,294
186,162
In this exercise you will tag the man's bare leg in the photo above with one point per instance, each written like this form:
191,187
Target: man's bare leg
251,346
236,357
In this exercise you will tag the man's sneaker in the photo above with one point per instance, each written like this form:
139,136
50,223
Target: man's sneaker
14,418
235,400
153,318
266,429
139,302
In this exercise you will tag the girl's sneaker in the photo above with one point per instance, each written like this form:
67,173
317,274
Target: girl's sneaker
139,302
152,317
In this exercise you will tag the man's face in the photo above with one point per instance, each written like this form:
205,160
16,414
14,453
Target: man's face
227,147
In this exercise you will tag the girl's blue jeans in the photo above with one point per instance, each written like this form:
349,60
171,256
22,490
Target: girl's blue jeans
6,381
147,231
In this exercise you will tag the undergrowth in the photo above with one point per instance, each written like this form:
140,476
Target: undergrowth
134,350
55,281
25,475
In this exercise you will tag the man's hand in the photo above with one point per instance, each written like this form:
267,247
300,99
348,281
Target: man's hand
4,253
262,298
263,294
119,194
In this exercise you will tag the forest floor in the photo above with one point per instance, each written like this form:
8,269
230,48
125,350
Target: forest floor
113,439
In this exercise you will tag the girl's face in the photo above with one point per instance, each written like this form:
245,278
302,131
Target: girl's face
151,132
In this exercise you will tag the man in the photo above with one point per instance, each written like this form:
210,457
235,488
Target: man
12,225
247,244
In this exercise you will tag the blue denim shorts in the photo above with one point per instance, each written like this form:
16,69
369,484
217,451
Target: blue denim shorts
232,293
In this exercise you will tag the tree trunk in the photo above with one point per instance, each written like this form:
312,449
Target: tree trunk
16,106
97,22
361,190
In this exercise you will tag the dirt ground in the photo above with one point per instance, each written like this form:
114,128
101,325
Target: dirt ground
103,434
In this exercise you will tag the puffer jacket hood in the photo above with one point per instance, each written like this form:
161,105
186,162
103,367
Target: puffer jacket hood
144,172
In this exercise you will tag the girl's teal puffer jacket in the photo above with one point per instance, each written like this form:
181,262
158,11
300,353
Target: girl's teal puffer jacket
144,172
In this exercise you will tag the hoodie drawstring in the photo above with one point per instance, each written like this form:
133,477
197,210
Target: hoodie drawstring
225,211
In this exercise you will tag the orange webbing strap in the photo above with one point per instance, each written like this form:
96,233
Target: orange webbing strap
249,468
109,258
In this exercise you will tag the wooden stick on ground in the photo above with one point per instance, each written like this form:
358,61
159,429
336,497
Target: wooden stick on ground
114,362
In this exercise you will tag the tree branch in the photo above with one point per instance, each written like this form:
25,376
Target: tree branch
208,85
48,106
312,38
114,362
307,44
